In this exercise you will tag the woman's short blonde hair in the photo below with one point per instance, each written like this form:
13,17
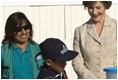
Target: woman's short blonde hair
106,4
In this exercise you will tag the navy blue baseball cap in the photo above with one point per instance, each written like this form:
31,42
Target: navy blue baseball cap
54,48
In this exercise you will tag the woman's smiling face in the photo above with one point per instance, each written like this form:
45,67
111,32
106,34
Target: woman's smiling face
97,11
22,36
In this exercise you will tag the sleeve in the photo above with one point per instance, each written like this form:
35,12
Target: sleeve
1,56
115,50
1,60
78,62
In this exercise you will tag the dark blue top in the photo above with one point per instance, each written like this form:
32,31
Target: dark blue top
47,73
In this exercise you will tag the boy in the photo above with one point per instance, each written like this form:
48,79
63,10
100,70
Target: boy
55,54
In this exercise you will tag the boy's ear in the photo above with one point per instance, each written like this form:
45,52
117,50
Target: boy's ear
48,62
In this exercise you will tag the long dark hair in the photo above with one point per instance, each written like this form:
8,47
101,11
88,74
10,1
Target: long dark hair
13,20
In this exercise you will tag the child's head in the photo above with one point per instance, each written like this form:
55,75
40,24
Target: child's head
55,65
55,54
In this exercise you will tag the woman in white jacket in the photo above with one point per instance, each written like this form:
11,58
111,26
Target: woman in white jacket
96,42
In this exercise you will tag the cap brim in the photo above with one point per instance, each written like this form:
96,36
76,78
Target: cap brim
69,55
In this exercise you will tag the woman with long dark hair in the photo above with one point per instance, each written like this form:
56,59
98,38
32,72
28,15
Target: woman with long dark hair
19,50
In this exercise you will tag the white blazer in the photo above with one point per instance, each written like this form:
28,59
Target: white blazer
95,53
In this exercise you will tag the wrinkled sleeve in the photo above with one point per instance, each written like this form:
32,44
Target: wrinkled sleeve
1,56
1,60
78,62
115,51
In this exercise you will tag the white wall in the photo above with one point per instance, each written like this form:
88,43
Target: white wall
58,21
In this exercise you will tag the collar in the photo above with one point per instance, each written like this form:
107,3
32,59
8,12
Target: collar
14,47
106,22
27,49
51,73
